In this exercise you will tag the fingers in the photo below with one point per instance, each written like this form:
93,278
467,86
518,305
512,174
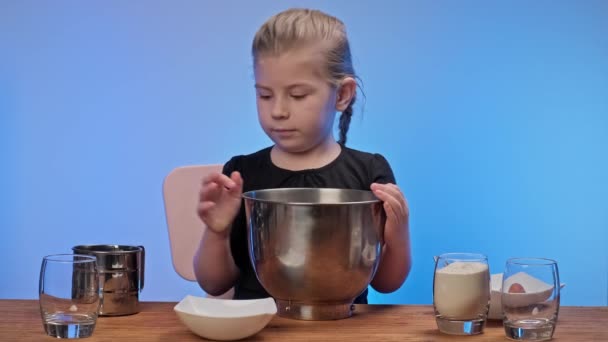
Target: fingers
390,201
237,189
214,183
392,190
203,209
210,192
392,195
219,199
221,179
390,212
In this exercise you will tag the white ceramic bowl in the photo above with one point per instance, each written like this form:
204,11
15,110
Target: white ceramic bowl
536,291
225,319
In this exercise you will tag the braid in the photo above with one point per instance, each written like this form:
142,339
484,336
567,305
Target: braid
345,117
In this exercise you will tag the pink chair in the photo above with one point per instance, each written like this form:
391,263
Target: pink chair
181,194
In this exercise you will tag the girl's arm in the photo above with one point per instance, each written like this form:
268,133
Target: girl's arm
396,260
219,202
214,266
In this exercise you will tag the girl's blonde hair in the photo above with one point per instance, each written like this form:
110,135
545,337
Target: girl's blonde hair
296,27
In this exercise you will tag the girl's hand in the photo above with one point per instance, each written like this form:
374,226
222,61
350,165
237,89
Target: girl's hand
396,259
396,208
220,201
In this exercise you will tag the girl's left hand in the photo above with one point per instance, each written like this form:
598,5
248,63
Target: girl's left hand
395,206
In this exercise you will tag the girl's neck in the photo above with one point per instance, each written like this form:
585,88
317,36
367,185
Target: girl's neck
314,158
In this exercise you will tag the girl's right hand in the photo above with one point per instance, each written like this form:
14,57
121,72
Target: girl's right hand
220,201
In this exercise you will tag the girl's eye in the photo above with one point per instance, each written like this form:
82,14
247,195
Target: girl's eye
298,96
264,97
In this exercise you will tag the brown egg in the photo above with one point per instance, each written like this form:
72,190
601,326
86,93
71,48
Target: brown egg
516,288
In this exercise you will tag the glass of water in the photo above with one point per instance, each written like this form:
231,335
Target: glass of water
69,295
530,298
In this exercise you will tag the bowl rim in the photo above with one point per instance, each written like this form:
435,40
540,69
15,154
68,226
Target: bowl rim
249,195
179,307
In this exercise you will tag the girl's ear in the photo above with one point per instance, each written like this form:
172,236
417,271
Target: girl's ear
346,93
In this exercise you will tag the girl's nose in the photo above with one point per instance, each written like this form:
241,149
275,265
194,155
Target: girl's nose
279,111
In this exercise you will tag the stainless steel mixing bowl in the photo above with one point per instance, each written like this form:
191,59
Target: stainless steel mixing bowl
314,250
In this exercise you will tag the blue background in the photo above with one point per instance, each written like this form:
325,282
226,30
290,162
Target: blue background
493,114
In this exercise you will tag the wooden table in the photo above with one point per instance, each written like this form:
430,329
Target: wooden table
20,321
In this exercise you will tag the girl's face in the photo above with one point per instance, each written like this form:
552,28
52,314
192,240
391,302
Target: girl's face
296,103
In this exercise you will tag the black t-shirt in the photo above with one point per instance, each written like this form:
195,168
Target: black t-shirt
352,169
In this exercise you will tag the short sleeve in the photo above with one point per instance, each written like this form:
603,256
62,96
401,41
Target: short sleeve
381,171
231,166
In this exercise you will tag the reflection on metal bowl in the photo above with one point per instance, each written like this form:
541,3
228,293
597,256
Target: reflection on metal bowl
314,250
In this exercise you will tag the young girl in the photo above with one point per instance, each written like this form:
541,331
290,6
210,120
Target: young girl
303,76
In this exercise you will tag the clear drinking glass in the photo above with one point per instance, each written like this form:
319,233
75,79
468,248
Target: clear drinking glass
530,298
69,295
461,293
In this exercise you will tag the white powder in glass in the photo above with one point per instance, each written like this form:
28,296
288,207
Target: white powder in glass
462,290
